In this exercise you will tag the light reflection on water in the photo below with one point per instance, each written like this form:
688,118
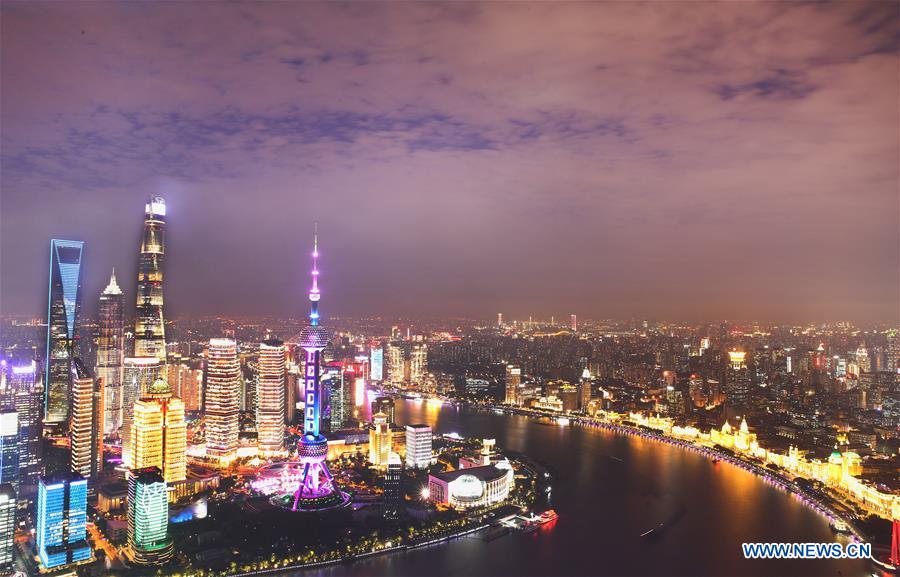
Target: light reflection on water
608,490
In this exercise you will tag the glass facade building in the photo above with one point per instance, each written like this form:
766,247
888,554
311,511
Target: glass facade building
270,396
61,528
24,394
111,353
149,542
64,304
138,374
149,327
7,527
9,448
221,411
86,430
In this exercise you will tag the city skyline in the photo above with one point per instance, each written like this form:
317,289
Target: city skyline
520,160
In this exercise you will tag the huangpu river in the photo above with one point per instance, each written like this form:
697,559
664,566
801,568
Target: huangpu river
608,490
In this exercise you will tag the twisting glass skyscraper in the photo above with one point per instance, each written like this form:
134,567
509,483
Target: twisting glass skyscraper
111,353
149,329
64,304
316,490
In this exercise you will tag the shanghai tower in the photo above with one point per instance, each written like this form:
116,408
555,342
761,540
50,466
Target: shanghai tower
149,330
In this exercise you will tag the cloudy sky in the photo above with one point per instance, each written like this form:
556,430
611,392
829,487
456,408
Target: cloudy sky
685,160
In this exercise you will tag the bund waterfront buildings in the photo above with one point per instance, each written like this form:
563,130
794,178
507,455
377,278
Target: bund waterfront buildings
62,317
149,326
271,396
111,353
221,409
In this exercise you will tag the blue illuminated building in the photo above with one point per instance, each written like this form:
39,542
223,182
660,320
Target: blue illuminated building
64,303
61,528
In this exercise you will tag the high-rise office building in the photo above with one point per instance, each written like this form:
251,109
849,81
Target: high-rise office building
111,353
139,374
573,323
270,396
392,495
149,325
86,430
25,395
584,390
159,434
384,405
418,362
737,382
9,448
376,364
62,317
513,381
7,527
418,446
61,528
396,358
221,409
379,440
149,542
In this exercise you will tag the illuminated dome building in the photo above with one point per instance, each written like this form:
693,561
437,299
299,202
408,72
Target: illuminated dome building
472,487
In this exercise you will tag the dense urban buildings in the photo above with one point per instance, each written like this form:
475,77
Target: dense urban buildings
221,407
62,331
7,526
111,353
149,325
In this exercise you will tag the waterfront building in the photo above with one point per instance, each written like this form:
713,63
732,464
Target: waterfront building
137,375
384,405
221,409
7,527
472,487
86,428
393,498
111,353
418,446
270,409
418,363
513,383
24,395
149,326
407,362
149,542
159,434
9,448
61,528
396,363
316,491
379,440
584,390
376,364
62,318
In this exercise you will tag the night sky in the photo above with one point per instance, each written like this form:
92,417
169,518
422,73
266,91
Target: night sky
681,160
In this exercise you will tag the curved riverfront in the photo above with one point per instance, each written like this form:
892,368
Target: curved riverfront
610,489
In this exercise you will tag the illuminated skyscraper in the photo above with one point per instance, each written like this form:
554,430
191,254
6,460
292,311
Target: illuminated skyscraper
138,375
26,397
418,363
111,353
316,489
159,434
86,430
62,317
61,528
393,498
584,390
379,440
223,389
376,364
418,446
270,396
7,527
573,323
149,327
9,448
384,405
737,382
149,542
513,381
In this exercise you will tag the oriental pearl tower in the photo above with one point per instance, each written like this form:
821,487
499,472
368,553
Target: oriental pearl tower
316,490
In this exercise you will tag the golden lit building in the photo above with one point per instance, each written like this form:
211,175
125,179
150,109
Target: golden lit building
158,434
86,425
379,440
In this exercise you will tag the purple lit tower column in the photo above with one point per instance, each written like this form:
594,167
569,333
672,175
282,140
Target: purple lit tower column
316,490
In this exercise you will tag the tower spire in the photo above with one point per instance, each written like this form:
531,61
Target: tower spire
314,291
